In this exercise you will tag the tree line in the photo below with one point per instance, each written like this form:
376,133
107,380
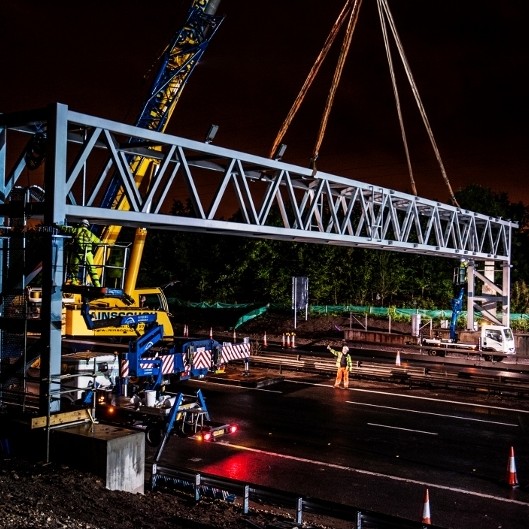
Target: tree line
231,269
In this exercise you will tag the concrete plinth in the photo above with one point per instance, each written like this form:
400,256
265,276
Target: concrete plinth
116,454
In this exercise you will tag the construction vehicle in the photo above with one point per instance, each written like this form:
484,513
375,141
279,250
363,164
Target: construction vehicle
161,414
139,398
129,387
496,339
143,301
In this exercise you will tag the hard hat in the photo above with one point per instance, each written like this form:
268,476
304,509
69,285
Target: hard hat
85,222
345,349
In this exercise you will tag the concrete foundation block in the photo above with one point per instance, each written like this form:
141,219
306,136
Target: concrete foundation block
115,454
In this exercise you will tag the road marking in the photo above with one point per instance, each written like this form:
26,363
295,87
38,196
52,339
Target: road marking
460,403
399,428
459,417
416,397
379,475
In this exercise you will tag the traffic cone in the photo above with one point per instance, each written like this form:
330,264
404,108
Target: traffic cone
186,330
512,480
397,361
426,508
265,343
293,339
288,339
211,333
234,336
283,340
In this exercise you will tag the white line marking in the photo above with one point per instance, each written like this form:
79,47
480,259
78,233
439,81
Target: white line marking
399,428
417,397
459,417
379,475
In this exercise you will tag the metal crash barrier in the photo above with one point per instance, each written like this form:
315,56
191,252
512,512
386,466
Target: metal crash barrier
207,486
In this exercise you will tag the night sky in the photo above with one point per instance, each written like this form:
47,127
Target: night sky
468,59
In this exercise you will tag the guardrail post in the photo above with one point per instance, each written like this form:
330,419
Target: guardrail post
299,511
197,487
246,500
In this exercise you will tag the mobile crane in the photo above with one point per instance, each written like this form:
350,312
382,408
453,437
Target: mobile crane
177,63
141,305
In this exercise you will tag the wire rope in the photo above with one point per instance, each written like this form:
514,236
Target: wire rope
418,100
310,78
353,18
397,98
351,9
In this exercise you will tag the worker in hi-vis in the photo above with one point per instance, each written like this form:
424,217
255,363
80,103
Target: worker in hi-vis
344,363
81,251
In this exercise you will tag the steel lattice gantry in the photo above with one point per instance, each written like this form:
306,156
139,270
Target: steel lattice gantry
231,192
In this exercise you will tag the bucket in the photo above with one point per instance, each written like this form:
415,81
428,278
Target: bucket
150,397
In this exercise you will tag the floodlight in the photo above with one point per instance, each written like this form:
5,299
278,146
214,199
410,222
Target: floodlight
212,132
280,151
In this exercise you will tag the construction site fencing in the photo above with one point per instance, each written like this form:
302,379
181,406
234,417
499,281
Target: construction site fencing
519,321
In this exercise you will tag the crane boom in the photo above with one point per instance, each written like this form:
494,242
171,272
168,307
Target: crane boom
177,64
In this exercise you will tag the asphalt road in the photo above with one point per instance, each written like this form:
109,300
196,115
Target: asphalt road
375,446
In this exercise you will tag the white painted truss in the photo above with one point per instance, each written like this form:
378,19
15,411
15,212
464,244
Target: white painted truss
117,174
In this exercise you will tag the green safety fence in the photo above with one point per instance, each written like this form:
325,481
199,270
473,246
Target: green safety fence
517,319
205,305
250,316
359,310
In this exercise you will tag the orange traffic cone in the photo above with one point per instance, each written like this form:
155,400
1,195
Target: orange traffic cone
397,360
265,343
293,339
426,508
288,339
512,480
